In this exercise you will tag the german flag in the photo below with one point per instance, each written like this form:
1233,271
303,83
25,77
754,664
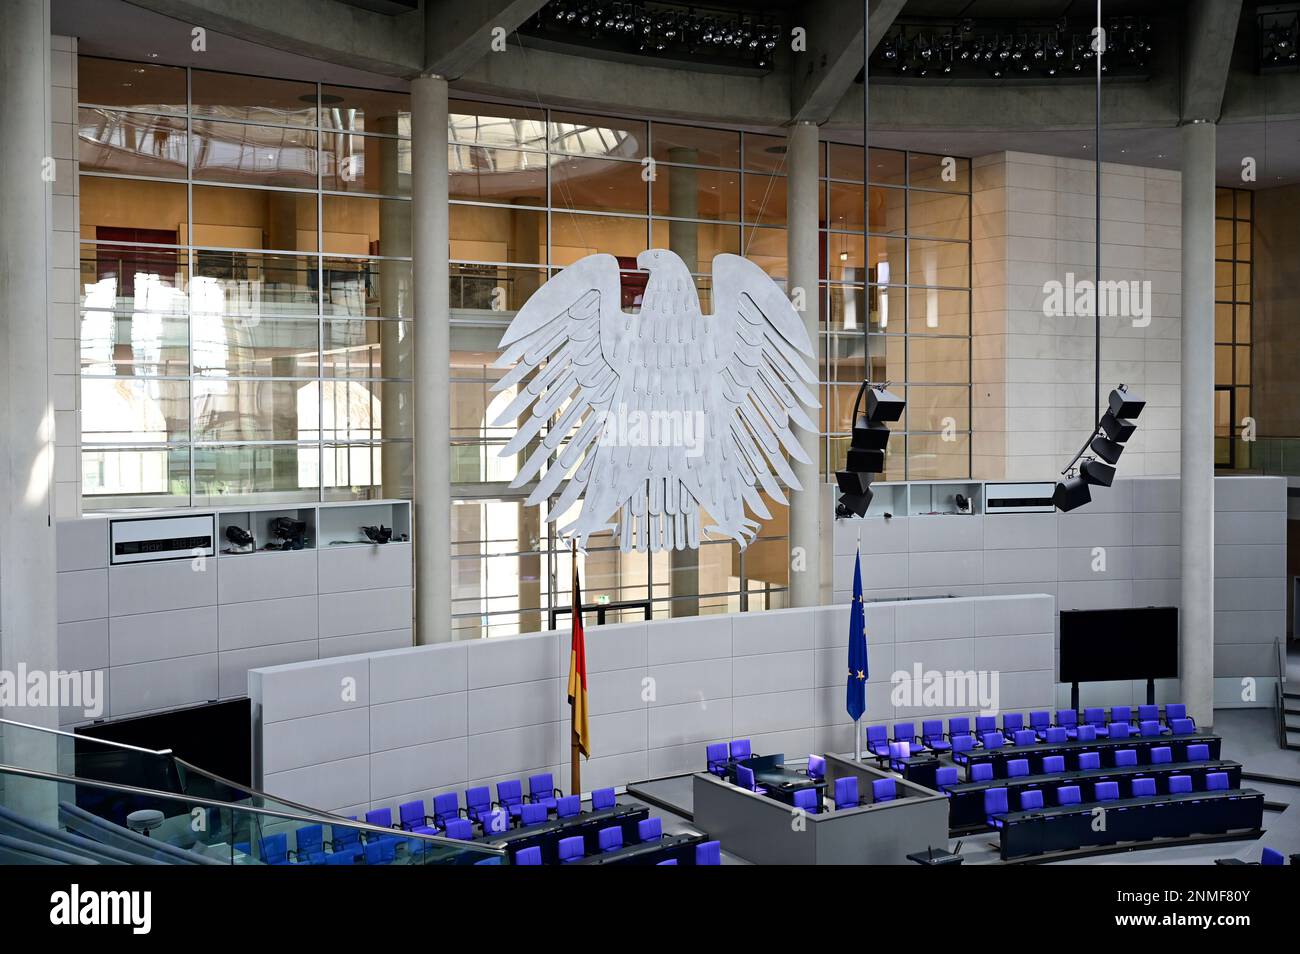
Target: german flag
578,669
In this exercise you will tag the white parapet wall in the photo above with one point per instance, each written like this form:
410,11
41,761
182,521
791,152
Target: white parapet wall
376,729
177,632
1121,550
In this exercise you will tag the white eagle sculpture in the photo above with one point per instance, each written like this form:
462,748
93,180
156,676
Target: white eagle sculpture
582,362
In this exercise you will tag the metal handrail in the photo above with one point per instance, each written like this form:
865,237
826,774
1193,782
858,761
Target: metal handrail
1279,694
191,800
168,754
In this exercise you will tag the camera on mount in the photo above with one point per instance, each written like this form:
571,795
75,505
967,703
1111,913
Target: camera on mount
291,533
239,537
379,534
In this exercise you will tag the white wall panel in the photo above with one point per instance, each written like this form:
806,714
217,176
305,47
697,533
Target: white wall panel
445,717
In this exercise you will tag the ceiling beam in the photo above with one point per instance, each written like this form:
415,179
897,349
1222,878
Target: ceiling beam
1211,33
822,75
533,75
323,29
459,34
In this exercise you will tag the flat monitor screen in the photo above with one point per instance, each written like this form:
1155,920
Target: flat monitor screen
1101,645
215,737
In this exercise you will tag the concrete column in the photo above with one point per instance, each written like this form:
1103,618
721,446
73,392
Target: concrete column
28,624
802,237
684,240
430,238
395,354
1196,613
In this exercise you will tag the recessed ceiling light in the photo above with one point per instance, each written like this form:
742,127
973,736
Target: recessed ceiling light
153,56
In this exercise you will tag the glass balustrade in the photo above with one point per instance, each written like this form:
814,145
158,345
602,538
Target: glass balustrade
47,817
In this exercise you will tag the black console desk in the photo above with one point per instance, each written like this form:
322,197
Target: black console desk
679,847
1106,748
587,825
1131,819
780,782
966,799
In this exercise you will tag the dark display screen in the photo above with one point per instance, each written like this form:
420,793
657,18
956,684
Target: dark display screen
136,547
1100,645
215,736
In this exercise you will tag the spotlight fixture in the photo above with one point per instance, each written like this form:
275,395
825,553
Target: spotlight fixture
1107,449
669,29
1095,472
1106,441
866,454
1117,428
1025,51
1071,494
1277,36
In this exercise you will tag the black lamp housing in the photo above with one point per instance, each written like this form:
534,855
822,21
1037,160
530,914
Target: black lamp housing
866,454
1096,472
1071,494
1126,403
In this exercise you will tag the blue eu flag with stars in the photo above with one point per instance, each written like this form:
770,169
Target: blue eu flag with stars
856,699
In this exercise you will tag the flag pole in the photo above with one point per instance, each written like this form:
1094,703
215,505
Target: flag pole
575,771
857,740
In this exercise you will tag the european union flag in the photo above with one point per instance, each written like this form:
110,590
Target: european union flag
856,699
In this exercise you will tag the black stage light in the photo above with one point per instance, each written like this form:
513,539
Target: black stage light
870,436
1095,472
1071,494
865,460
866,454
1106,449
853,481
856,504
1116,428
882,406
1126,403
855,492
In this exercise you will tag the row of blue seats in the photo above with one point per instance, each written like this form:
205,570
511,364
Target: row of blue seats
995,799
512,808
1041,728
611,839
720,755
344,848
1053,764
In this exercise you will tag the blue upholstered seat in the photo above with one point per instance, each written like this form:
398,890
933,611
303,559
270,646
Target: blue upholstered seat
883,790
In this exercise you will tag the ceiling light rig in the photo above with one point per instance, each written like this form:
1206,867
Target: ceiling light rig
1106,443
866,455
1277,35
670,30
1010,50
